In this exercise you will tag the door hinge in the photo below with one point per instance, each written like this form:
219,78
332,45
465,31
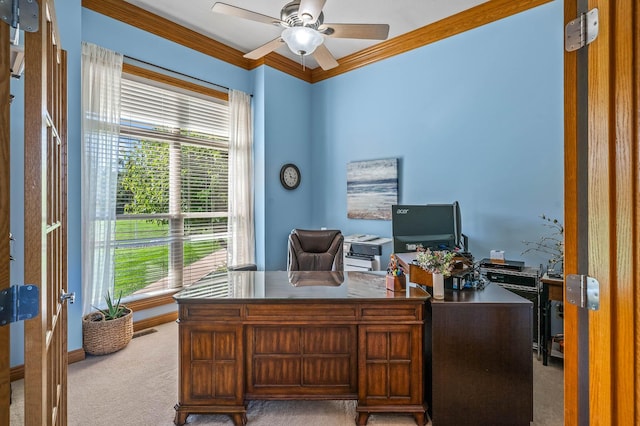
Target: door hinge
581,31
21,14
583,291
18,302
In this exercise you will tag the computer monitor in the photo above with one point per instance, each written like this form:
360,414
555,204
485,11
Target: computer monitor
434,226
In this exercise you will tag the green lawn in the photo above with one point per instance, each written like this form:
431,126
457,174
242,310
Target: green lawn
138,267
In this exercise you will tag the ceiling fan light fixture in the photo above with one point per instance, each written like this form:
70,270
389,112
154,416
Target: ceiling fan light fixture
302,40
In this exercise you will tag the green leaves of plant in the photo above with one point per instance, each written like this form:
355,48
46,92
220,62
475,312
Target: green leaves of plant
113,310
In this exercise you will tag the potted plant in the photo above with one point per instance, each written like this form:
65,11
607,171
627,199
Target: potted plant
440,263
107,330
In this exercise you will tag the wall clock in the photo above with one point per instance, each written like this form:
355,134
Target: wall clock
290,176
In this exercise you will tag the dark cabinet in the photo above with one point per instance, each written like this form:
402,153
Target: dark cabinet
481,358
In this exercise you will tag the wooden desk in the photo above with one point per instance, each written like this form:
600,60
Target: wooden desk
481,359
303,335
552,289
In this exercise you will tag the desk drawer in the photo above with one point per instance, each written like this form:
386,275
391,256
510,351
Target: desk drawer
209,312
401,312
287,312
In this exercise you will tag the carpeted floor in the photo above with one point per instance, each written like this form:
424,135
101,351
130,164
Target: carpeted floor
138,387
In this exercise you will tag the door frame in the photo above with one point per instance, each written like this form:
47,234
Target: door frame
602,213
5,189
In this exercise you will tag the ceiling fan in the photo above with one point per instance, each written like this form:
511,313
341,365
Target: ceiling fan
304,30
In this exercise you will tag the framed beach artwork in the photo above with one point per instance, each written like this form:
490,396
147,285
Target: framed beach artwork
372,188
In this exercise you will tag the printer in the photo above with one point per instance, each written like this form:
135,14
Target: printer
364,252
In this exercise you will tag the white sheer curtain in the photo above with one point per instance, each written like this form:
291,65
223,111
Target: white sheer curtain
241,248
101,73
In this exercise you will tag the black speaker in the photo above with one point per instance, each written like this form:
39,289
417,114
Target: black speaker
533,296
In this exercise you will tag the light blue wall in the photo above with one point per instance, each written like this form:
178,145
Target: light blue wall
70,26
287,117
17,208
259,154
476,118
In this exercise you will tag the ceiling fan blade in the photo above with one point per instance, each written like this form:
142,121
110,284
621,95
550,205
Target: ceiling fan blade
309,10
265,49
238,12
324,58
363,31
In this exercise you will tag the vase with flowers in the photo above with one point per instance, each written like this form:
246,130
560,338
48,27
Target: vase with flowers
440,264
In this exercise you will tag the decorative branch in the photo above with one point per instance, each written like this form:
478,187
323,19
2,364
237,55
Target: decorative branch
551,244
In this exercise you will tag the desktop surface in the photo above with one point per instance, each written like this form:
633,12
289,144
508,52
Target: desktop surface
296,285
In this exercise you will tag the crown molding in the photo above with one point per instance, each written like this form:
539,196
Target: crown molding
482,14
133,15
285,65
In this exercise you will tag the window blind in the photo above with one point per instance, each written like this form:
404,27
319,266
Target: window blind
172,185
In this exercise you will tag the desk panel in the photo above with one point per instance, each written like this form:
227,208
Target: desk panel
266,336
481,358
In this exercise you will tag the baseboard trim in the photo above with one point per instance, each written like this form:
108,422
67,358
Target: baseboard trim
17,372
76,355
153,321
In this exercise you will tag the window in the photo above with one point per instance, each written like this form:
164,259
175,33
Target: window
172,187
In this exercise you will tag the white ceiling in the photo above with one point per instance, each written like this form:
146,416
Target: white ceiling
402,16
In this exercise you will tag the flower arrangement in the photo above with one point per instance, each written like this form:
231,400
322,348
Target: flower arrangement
436,262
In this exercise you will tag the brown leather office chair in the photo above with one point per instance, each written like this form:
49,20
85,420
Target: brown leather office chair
315,250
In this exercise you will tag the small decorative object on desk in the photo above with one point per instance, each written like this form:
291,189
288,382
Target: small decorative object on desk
396,279
440,264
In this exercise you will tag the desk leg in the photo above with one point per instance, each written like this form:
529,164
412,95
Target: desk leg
545,326
420,419
180,417
239,419
547,332
362,418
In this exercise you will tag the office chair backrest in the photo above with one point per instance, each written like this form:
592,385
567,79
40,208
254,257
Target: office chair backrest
315,250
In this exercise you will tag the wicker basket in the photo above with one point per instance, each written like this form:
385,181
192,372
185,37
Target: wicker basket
101,337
